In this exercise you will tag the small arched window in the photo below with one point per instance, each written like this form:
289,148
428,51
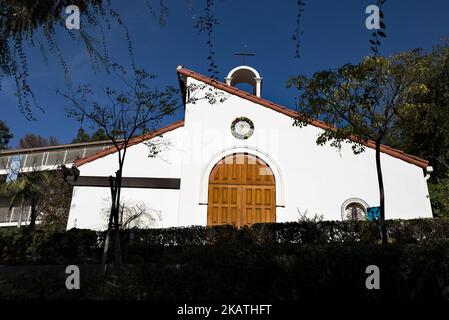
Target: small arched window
354,209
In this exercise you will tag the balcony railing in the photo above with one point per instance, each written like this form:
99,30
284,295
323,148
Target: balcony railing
48,158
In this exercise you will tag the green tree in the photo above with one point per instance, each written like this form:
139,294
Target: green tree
83,136
361,103
19,26
99,135
439,197
135,108
55,204
28,189
30,23
424,129
5,135
34,141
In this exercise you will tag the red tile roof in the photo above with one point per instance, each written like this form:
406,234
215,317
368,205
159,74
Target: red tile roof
132,142
240,93
291,113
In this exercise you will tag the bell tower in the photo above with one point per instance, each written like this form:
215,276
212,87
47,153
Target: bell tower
245,74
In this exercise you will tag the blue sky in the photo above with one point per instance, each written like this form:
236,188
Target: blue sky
334,34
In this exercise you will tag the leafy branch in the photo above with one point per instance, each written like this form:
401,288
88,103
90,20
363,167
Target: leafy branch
206,24
298,32
377,35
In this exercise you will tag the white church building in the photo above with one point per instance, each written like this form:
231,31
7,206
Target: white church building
241,161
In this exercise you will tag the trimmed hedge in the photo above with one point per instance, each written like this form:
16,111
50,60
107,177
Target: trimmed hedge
38,247
20,246
400,231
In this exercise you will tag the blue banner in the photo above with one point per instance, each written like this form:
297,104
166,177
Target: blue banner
14,168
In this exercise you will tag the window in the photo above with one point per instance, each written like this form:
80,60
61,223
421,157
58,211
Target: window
55,158
354,209
74,154
21,211
93,150
34,160
13,215
4,160
4,209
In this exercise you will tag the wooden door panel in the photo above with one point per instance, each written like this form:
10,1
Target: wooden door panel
223,204
258,205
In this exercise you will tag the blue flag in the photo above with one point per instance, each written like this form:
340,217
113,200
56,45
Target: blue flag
14,168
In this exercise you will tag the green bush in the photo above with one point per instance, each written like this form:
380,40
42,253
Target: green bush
400,231
439,198
22,246
38,247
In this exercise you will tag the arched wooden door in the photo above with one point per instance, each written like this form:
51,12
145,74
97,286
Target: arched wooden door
241,192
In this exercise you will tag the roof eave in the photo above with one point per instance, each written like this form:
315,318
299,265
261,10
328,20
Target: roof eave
132,142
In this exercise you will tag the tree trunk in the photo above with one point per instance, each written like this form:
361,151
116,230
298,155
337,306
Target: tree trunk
21,214
118,251
113,225
108,234
33,212
383,228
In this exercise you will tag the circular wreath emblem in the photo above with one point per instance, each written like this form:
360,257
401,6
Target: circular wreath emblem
242,128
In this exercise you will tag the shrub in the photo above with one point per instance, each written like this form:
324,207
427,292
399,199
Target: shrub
22,246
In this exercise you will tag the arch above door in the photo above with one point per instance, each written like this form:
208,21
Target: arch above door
279,178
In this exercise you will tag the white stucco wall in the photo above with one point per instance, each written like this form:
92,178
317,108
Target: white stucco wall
89,202
316,179
166,164
90,206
